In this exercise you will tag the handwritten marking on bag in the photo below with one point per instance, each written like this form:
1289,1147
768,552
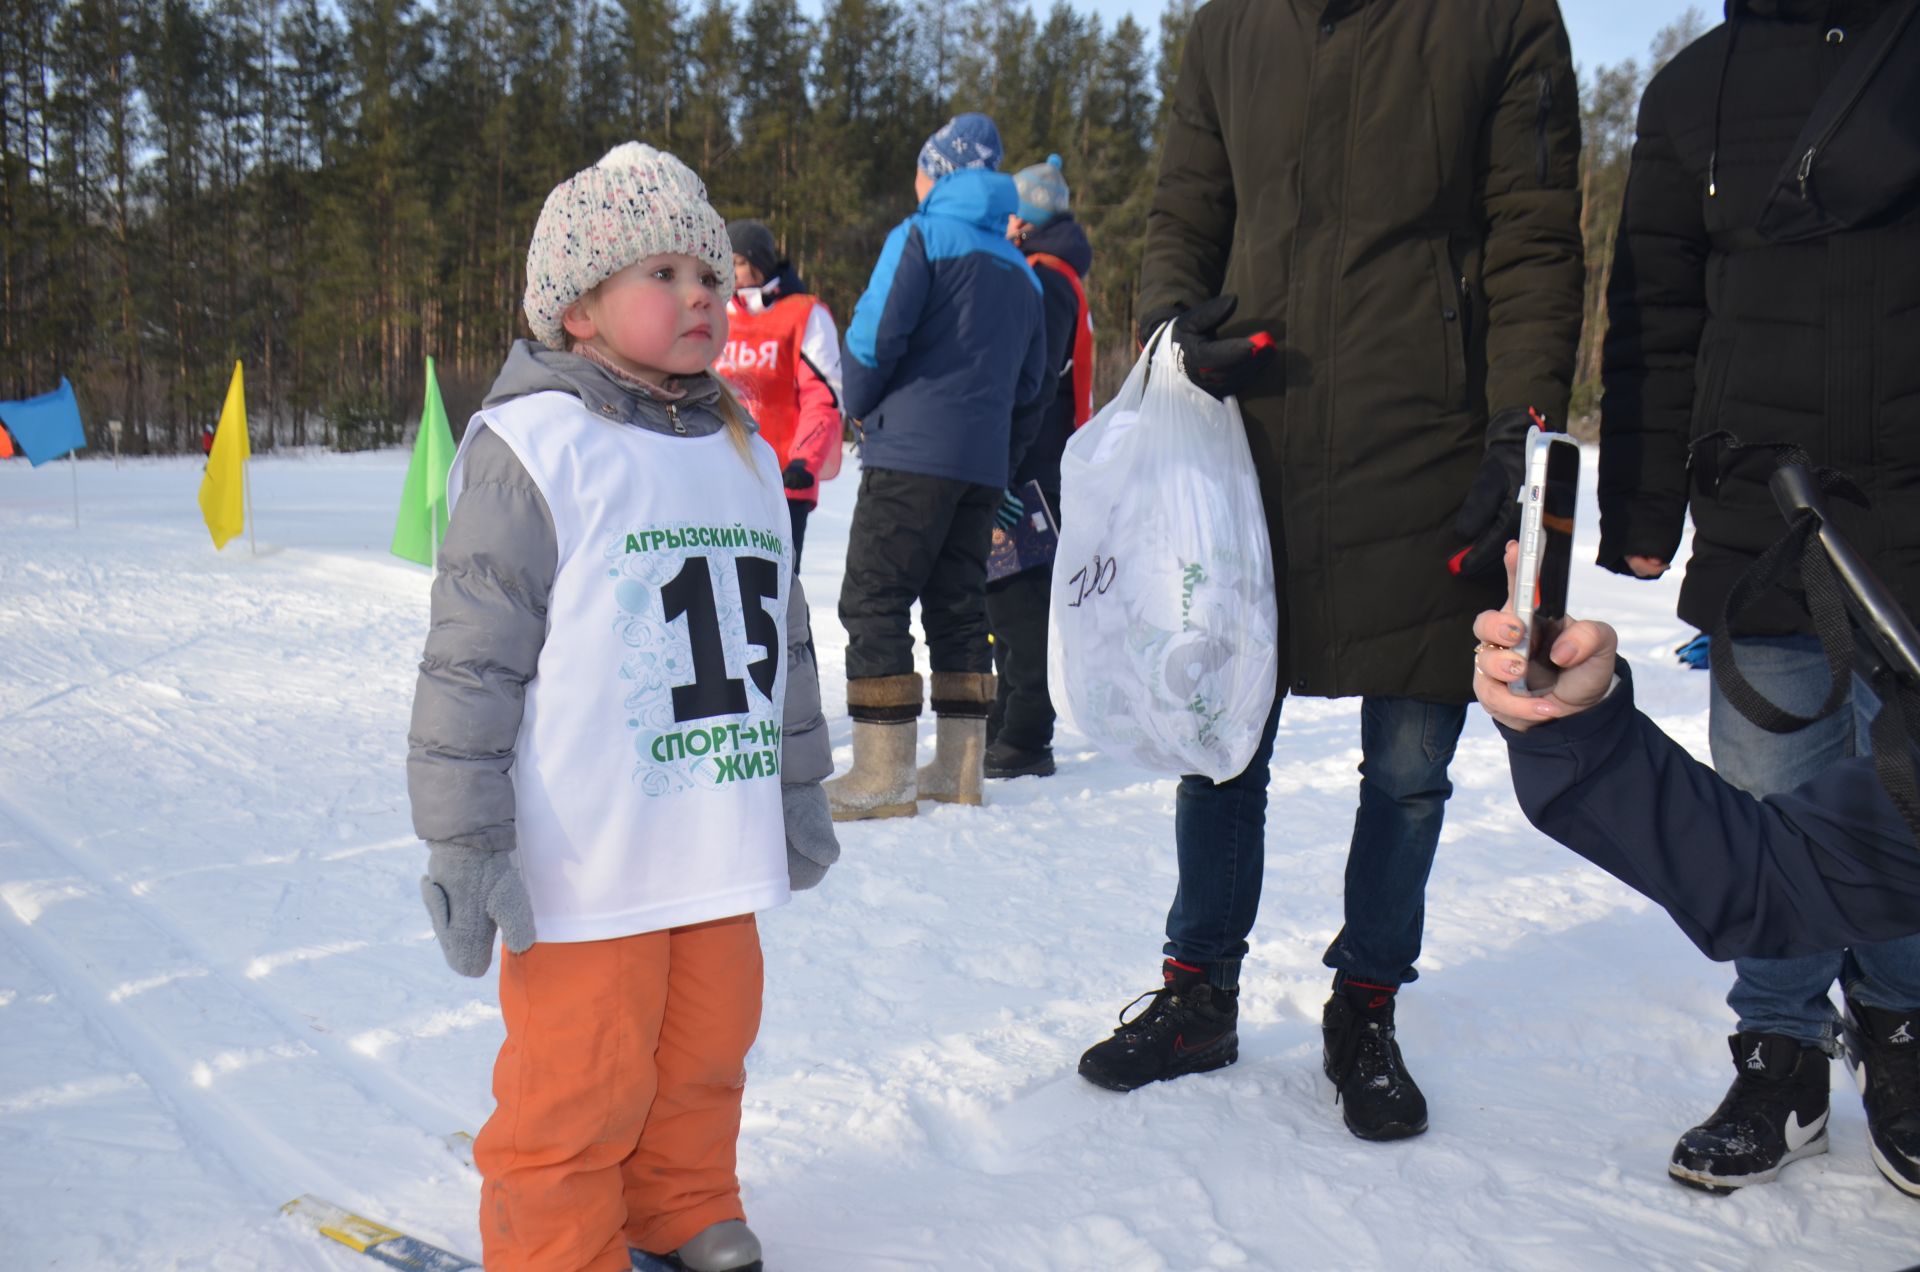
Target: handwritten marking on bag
1093,580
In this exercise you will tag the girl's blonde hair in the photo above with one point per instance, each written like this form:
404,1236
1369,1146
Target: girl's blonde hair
738,422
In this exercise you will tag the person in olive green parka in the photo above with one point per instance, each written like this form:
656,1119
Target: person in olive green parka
1390,190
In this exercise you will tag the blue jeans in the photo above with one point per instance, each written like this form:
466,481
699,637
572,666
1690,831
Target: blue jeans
1789,995
1220,830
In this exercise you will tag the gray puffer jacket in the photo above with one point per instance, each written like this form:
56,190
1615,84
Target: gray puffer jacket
489,621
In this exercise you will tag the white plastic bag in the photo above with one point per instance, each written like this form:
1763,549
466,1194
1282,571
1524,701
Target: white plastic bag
1163,642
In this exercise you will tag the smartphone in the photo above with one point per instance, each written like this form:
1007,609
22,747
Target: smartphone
1547,502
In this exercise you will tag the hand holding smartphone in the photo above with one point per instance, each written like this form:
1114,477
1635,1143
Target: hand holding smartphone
1548,497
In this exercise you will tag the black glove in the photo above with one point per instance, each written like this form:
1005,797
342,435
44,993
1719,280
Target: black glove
1491,514
795,476
1221,368
1011,509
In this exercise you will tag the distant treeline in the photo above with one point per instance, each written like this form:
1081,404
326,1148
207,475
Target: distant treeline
332,192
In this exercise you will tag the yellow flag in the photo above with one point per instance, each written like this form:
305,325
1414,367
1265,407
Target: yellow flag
223,489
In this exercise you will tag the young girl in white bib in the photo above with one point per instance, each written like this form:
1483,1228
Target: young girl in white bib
617,747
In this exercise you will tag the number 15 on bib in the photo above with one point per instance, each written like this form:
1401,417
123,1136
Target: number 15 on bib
702,623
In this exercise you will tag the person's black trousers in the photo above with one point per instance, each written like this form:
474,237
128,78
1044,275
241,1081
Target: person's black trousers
1017,614
797,511
917,538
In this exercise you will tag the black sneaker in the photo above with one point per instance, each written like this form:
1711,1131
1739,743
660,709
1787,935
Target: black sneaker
1883,1051
1377,1096
1774,1113
1188,1028
1003,759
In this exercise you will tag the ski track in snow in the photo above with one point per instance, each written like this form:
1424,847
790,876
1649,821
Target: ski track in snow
218,990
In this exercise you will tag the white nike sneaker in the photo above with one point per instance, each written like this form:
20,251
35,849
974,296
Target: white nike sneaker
1774,1113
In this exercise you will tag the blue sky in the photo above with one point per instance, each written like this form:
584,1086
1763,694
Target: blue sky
1608,31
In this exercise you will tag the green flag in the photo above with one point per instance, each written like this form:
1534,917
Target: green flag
423,503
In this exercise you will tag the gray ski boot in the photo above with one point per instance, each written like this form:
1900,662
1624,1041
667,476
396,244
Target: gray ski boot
728,1246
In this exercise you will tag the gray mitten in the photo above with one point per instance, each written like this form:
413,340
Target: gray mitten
811,845
471,892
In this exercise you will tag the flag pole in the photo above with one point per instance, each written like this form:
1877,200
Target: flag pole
74,456
246,490
246,474
433,515
433,522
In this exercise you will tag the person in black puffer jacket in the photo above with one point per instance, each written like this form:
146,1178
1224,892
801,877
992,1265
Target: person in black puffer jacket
1723,332
1020,729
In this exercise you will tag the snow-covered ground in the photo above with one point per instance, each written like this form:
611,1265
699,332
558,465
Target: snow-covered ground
218,989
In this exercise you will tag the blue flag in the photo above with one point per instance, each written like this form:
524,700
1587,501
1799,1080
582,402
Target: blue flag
45,427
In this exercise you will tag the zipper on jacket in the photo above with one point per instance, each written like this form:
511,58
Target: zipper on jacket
1466,322
1541,157
1454,322
673,418
1804,173
1464,366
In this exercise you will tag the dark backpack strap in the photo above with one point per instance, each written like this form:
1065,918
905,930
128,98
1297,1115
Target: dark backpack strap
1894,731
1823,595
1825,602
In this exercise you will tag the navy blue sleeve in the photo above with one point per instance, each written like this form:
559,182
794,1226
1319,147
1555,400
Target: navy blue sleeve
884,320
1828,865
1039,380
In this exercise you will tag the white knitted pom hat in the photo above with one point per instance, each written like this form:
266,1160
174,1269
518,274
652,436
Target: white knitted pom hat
635,203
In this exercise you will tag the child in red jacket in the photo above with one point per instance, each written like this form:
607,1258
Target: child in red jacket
783,358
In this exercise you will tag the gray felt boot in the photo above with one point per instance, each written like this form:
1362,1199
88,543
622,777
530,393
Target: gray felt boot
961,700
886,715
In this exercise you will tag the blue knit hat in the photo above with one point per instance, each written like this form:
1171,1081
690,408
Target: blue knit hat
1043,192
965,141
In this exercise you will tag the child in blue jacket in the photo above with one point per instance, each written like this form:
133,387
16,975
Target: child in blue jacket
946,347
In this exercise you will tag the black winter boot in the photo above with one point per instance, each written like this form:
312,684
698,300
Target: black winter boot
1188,1028
1007,760
1377,1096
1774,1113
1883,1051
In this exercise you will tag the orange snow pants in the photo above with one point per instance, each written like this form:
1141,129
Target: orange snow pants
617,1096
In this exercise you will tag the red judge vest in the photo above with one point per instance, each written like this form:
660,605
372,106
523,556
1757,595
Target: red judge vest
1082,337
762,363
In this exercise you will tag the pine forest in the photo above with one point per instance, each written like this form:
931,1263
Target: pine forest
332,190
